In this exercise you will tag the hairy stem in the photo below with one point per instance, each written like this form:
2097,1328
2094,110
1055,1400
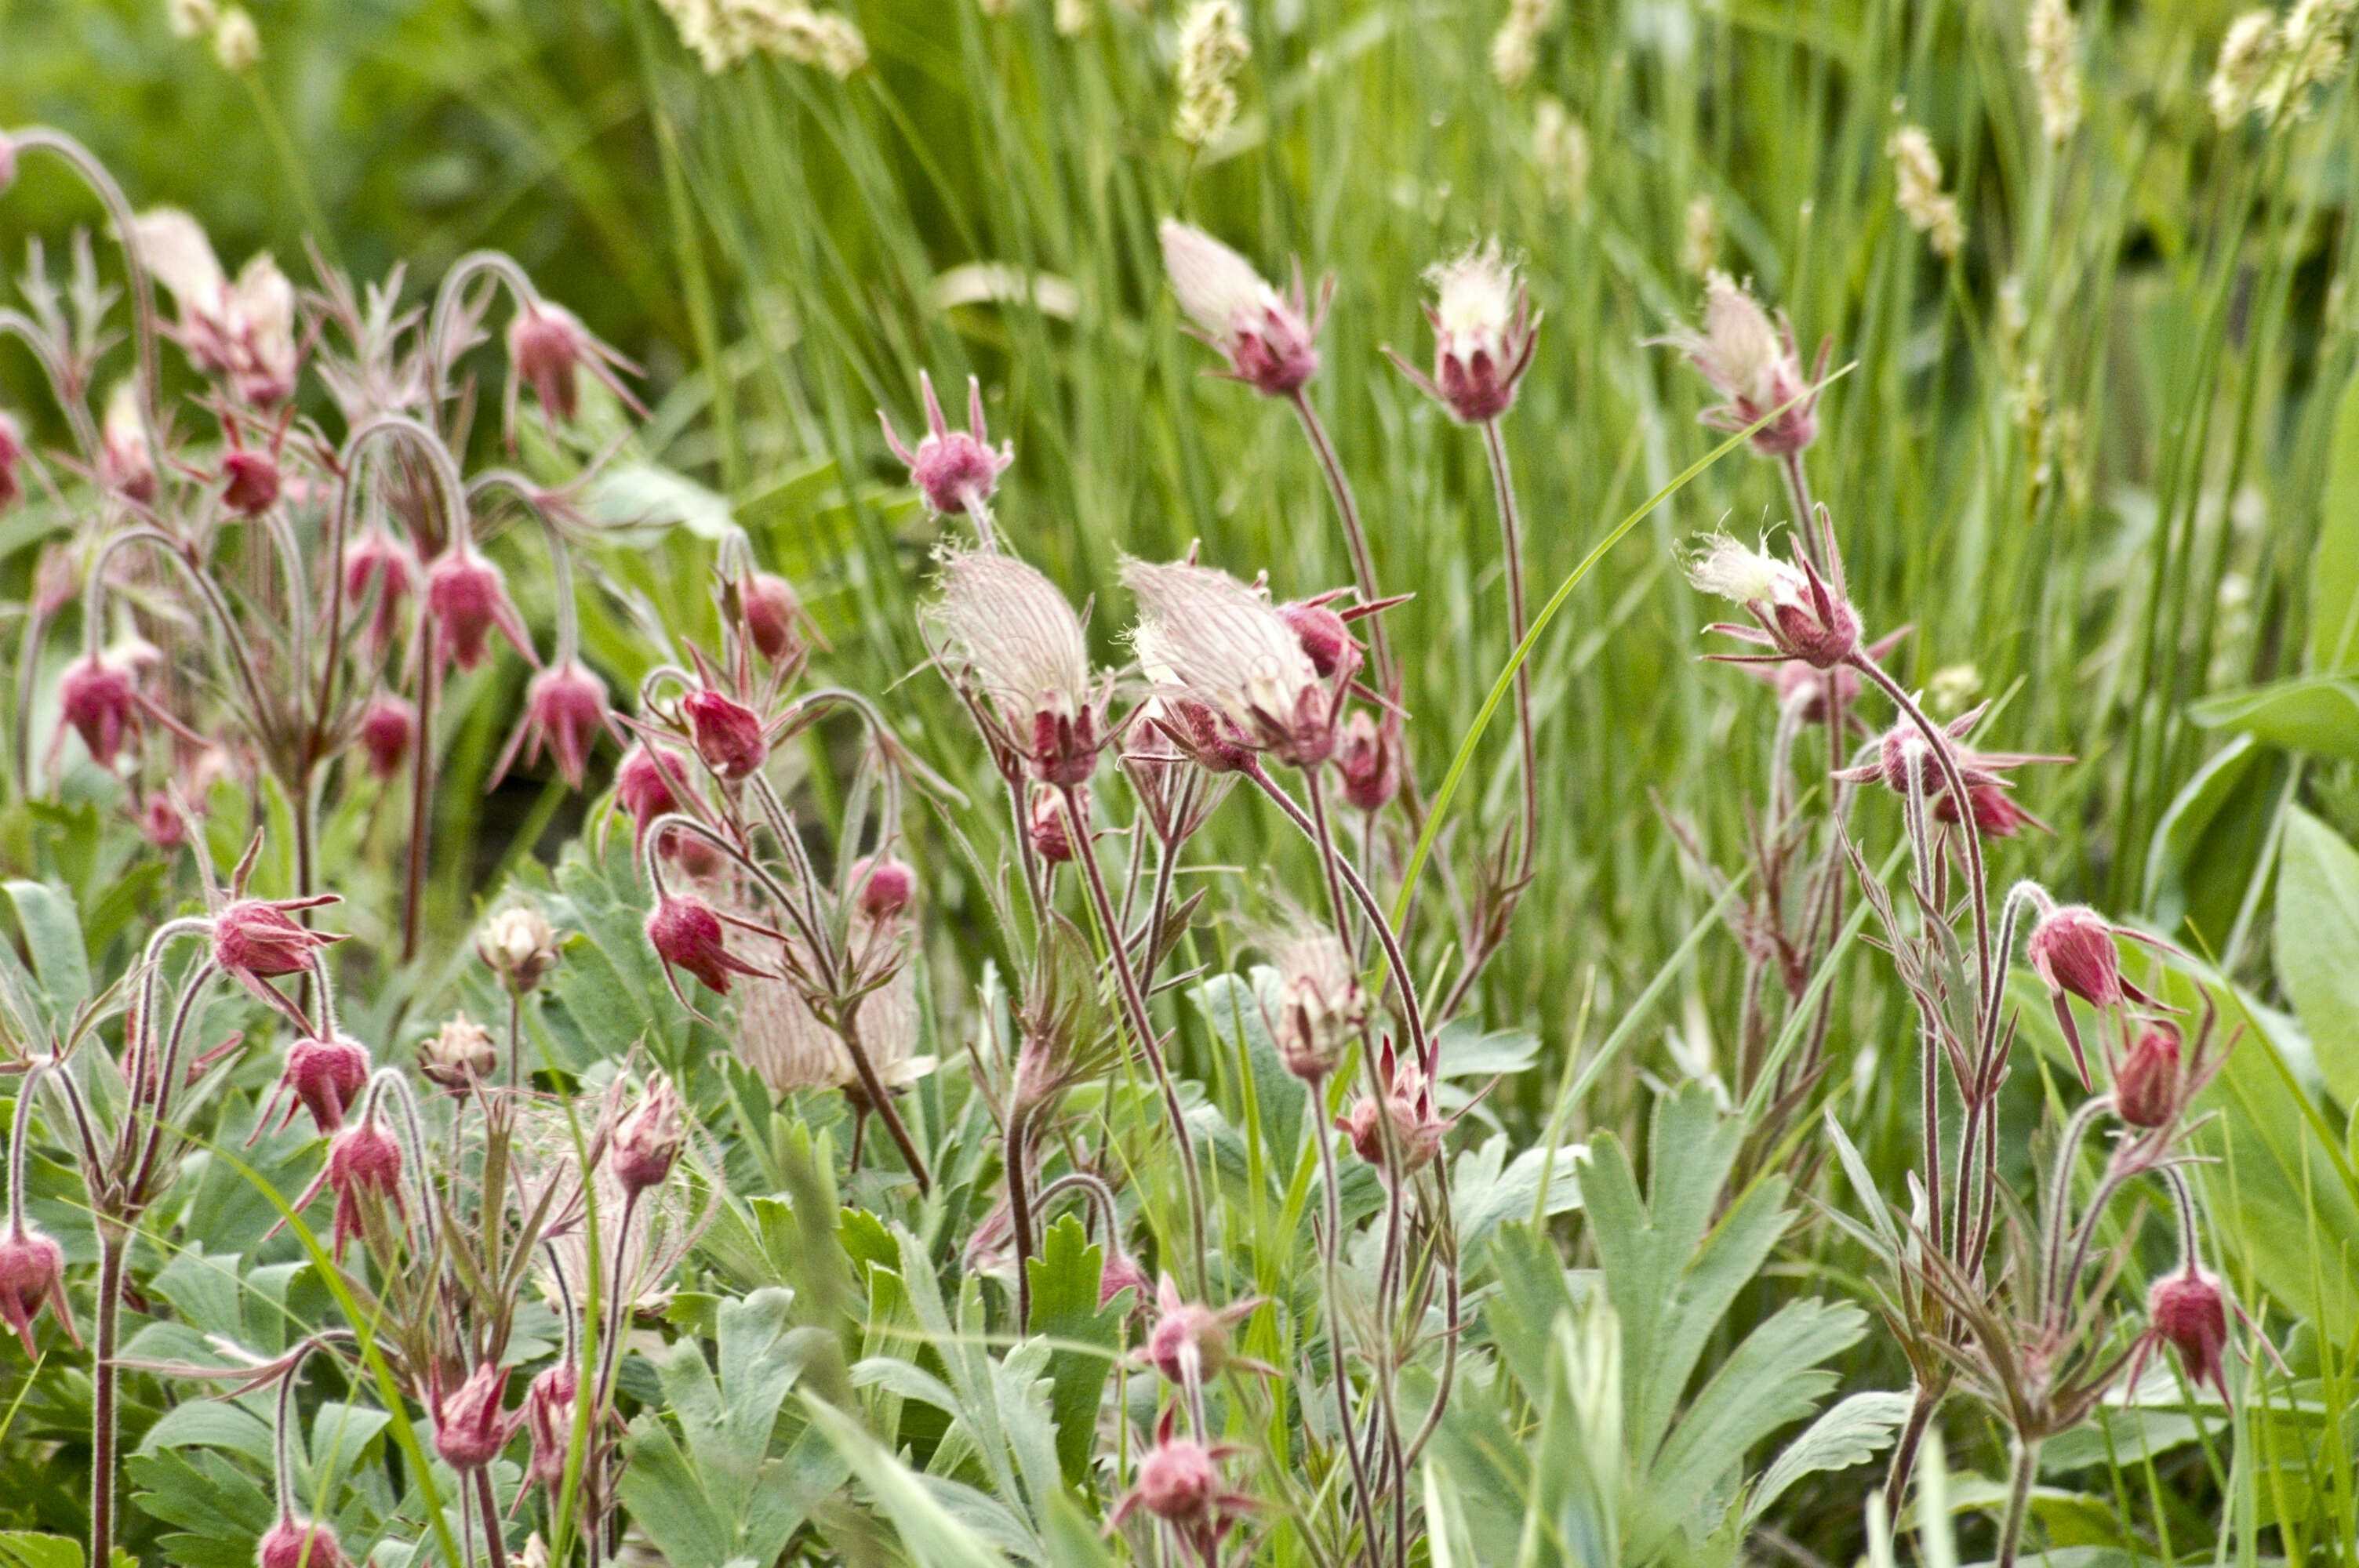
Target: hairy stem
1356,535
1512,554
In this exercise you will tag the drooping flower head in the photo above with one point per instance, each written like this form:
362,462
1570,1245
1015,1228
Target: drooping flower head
2072,950
387,728
243,331
250,480
326,1076
564,713
1753,362
771,614
2187,1312
1370,760
955,471
1318,1003
548,1421
467,598
257,940
471,1427
32,1276
1796,611
376,560
1013,640
1483,335
686,933
648,1138
885,886
1269,339
1405,1110
296,1542
1181,1486
1205,638
98,701
728,736
1189,1344
364,1169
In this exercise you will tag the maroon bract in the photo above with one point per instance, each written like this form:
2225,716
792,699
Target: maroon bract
32,1276
549,1404
2188,1313
1754,364
1050,827
468,599
1417,1126
1369,759
1179,1483
256,938
1326,639
648,783
1797,612
728,734
647,1139
549,347
388,726
250,483
686,934
295,1542
377,560
326,1077
955,471
2146,1085
1189,1344
99,701
1483,335
1996,815
771,613
1269,339
470,1426
364,1167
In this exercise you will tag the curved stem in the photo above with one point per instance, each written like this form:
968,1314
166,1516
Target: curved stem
1356,535
568,615
1903,1468
448,299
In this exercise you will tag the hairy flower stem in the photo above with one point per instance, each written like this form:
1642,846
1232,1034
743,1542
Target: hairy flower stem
1019,1214
1356,535
1142,1024
1332,1285
487,1503
1511,551
1904,1452
2018,1499
105,1385
421,799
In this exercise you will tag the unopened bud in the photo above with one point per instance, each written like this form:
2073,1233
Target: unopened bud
728,734
886,887
2189,1314
388,725
649,1138
2147,1088
250,483
686,933
327,1077
1326,638
294,1542
459,1055
32,1276
520,946
771,610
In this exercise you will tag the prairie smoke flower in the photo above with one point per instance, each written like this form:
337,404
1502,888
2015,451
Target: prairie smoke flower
564,710
326,1077
2147,1084
376,560
1369,758
470,1426
2052,47
1207,639
1325,636
1795,611
296,1542
1904,750
243,331
1212,49
955,471
648,784
1753,362
1515,48
1051,832
1318,1003
2187,1312
1417,1127
467,598
125,463
728,734
1917,189
686,933
550,351
647,1139
11,458
388,725
459,1055
1269,339
364,1167
255,940
519,946
1121,1273
1561,150
548,1421
1189,1342
1483,335
1995,812
2072,950
1179,1483
32,1276
97,700
250,482
1016,641
770,613
886,887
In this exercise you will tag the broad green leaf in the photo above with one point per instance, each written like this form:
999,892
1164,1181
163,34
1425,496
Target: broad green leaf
52,928
2334,566
2208,843
935,1539
1467,1051
1065,1309
1234,1011
210,1424
1072,1541
1853,1432
30,1549
1482,1194
2318,945
2318,714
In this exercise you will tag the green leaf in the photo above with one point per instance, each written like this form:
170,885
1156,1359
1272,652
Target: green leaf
2334,567
30,1549
1232,1012
53,939
1482,1194
1853,1432
934,1538
2318,945
2208,843
1065,1309
2318,714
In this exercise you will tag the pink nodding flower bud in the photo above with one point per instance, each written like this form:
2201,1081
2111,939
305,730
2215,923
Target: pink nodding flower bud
564,711
126,466
1189,1342
549,346
2188,1313
376,559
1052,830
886,886
32,1276
468,599
97,698
1369,760
728,734
1122,1273
1417,1127
1179,1482
363,1166
1325,636
12,457
955,471
294,1542
470,1426
1483,335
767,605
1995,812
2072,949
548,1421
647,1139
161,823
648,783
1269,339
326,1077
686,933
1753,362
388,726
2148,1084
255,938
250,483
